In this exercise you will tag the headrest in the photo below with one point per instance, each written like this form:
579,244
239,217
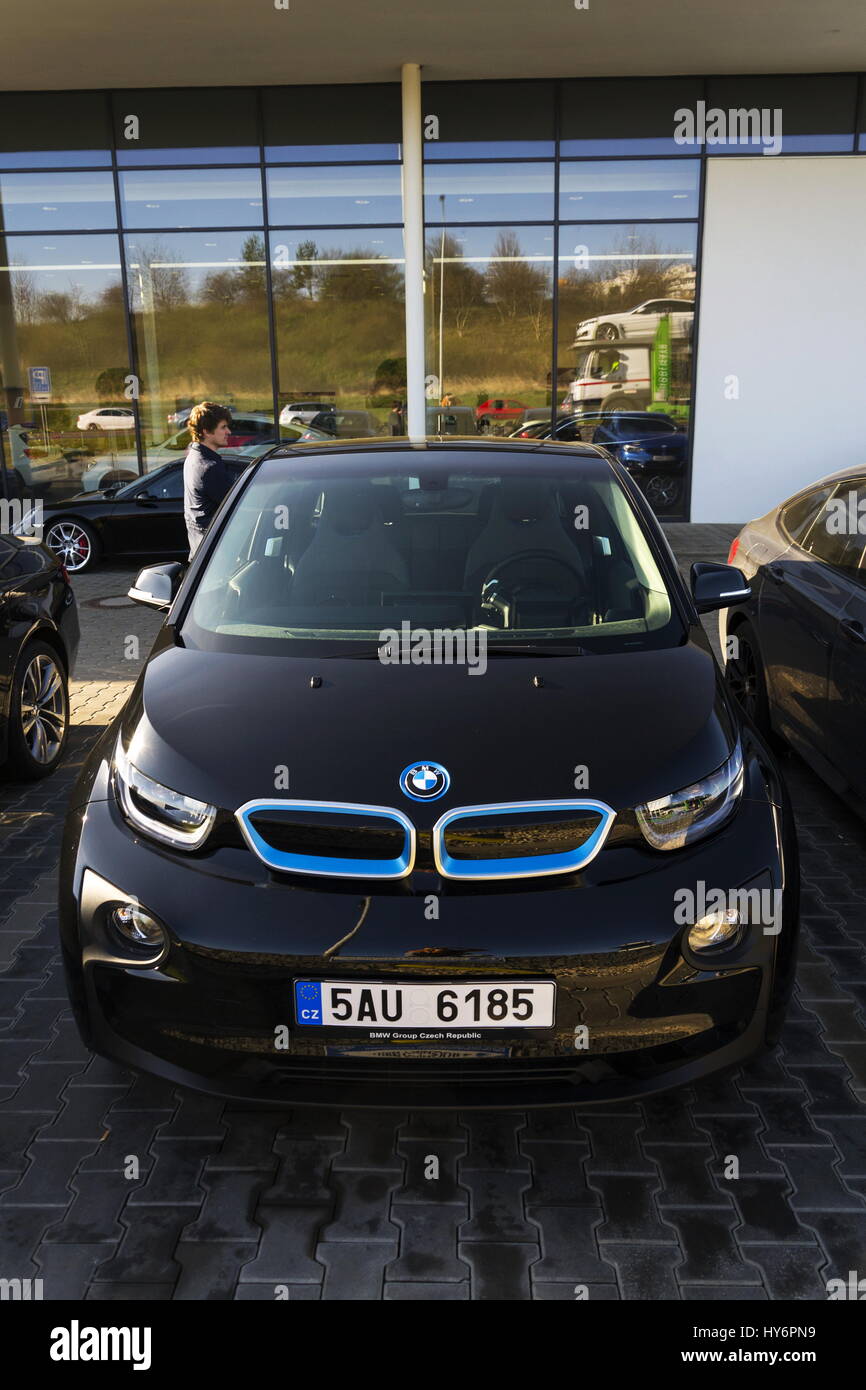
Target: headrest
524,499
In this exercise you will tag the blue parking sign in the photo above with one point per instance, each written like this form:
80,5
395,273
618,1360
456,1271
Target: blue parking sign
40,383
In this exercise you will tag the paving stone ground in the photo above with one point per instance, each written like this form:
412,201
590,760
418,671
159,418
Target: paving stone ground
628,1201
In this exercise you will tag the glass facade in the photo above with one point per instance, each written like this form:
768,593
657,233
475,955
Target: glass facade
162,247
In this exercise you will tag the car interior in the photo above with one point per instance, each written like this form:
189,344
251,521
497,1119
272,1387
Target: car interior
354,556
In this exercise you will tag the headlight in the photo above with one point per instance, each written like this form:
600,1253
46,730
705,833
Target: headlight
166,815
688,815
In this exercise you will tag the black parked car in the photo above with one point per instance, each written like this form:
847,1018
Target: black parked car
38,645
142,518
347,424
307,864
797,649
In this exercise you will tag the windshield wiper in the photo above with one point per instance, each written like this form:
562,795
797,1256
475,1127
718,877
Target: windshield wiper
527,649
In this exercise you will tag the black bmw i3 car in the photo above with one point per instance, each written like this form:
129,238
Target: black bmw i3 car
431,794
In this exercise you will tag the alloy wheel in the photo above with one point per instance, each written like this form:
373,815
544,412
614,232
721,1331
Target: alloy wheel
43,709
71,544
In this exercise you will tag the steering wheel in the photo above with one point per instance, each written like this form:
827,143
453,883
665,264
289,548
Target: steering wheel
550,557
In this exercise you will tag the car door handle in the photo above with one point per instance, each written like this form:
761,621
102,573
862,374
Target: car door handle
776,572
853,629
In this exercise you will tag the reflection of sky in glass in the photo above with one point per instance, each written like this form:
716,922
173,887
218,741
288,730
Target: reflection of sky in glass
57,202
195,255
191,198
650,241
478,244
792,144
652,144
51,159
315,197
629,188
91,263
373,243
212,154
316,154
489,192
488,149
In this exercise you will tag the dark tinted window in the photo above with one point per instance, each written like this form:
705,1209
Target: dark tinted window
165,485
799,514
815,111
39,130
197,126
487,119
308,124
838,533
614,117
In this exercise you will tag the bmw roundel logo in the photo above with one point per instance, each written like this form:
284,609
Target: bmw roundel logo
424,781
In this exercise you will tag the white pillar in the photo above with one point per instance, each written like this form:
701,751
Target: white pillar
413,239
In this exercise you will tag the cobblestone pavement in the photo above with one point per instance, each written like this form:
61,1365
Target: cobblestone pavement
231,1202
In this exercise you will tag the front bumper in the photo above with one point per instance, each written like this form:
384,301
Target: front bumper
208,1014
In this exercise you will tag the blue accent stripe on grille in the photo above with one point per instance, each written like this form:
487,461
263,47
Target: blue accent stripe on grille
532,866
328,867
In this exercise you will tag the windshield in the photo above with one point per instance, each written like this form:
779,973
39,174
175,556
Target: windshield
325,556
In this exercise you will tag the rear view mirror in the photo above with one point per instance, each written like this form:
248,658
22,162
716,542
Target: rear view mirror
717,586
157,585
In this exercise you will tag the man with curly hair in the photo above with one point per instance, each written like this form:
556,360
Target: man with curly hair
206,480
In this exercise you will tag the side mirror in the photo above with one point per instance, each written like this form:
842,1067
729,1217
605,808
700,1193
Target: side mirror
717,586
157,585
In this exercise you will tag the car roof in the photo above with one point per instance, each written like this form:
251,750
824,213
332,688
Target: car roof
508,456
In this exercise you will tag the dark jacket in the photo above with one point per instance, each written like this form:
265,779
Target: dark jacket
206,480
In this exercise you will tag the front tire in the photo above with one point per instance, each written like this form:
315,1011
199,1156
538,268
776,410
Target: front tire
608,331
38,712
747,682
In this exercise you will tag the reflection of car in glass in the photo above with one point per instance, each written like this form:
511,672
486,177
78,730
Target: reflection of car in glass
644,319
347,424
199,907
112,417
796,649
140,518
649,445
123,468
38,644
451,419
303,412
496,411
17,457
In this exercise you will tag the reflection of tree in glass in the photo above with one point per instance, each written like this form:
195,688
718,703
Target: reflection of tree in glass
303,276
515,285
241,283
157,279
463,284
358,274
642,270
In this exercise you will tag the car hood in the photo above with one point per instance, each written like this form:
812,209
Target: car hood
221,727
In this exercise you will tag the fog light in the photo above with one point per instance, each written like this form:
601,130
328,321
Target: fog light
719,928
136,925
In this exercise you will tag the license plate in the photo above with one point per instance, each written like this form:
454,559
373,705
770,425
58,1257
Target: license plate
387,1005
661,458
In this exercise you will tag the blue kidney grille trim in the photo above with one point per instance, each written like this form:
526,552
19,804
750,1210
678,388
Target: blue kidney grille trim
327,866
523,866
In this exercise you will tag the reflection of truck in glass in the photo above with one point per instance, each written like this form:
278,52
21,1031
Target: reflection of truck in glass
643,374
